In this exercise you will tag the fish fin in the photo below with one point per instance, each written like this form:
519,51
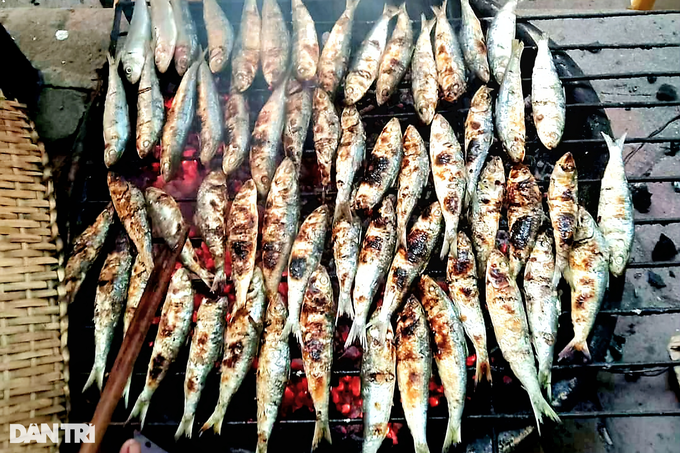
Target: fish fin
357,331
139,410
390,10
343,211
322,430
575,345
185,426
126,392
615,144
96,375
517,46
351,5
483,369
344,307
219,280
215,420
452,435
541,407
206,276
402,9
440,10
426,24
445,246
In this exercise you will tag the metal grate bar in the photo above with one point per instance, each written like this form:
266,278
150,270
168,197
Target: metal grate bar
657,221
614,76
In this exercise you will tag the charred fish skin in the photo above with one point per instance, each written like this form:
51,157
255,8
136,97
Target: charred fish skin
451,72
186,47
450,352
237,126
378,379
327,129
377,250
335,54
499,39
298,116
220,35
548,100
305,42
448,170
415,170
615,210
414,368
346,240
364,68
246,54
275,43
396,58
178,123
173,329
305,256
317,325
424,73
137,43
150,109
472,42
116,120
510,107
164,33
210,113
206,344
351,152
273,369
241,340
563,206
478,138
210,218
525,214
383,167
509,320
588,277
279,224
485,211
108,305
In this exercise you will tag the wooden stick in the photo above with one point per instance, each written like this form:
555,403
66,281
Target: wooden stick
154,292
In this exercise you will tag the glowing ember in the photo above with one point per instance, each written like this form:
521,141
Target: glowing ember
471,360
436,392
296,396
392,431
347,396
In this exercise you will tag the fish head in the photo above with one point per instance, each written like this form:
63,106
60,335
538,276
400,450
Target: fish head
585,227
306,71
133,67
481,101
426,113
217,60
241,81
566,164
549,138
618,256
167,170
516,149
350,117
498,270
163,56
111,152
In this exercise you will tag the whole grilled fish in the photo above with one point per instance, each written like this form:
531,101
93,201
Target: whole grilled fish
472,42
615,211
335,54
409,262
168,222
485,211
317,325
305,42
242,241
266,140
478,138
414,368
273,369
415,170
512,331
525,213
137,43
588,276
563,206
304,257
396,58
241,340
108,305
510,107
298,115
448,170
211,219
327,128
186,46
450,352
375,257
178,123
548,101
351,152
164,33
246,54
85,251
237,126
424,73
499,38
543,305
383,167
275,43
279,224
173,329
364,68
346,240
116,119
150,109
220,35
210,113
206,344
461,276
451,72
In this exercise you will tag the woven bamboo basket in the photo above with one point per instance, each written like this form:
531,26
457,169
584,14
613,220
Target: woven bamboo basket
33,311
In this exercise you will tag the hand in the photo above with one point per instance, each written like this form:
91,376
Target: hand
131,446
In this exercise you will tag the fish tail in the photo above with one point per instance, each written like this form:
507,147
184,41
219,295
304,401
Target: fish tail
390,10
402,9
440,10
126,392
219,280
452,434
216,419
322,430
426,24
575,345
96,375
351,5
140,408
517,46
615,144
205,275
357,331
380,323
421,447
344,306
483,369
343,210
402,237
541,407
185,426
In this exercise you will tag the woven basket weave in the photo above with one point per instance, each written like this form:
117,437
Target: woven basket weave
33,321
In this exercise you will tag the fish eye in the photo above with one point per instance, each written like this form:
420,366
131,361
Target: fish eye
618,260
128,70
146,143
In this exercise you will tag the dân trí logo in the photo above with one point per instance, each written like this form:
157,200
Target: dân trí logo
73,433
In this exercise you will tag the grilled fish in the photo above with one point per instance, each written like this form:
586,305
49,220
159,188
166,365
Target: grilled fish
615,211
414,368
450,352
563,206
510,107
275,43
210,113
396,58
472,42
246,54
451,72
206,344
346,240
317,325
164,33
415,170
305,42
499,38
525,213
383,167
335,54
220,35
327,128
137,43
304,258
241,340
364,68
448,170
512,331
108,305
375,257
298,115
424,73
173,329
150,109
211,219
237,126
279,224
478,138
548,101
351,152
116,119
186,46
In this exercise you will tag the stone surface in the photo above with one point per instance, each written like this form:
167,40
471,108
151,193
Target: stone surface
51,3
59,113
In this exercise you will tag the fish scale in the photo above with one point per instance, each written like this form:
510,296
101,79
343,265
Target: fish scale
210,113
237,128
424,73
451,72
350,156
210,218
150,109
246,53
186,46
137,43
413,176
164,33
335,54
275,43
396,58
220,35
327,128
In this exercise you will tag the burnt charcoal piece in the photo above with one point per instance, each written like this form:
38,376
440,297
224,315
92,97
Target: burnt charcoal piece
642,199
671,274
655,280
651,78
664,250
667,92
673,148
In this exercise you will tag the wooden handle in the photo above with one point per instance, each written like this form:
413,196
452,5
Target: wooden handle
155,291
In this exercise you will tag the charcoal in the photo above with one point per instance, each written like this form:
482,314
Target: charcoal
655,280
671,274
673,148
642,199
667,92
676,186
664,250
652,78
